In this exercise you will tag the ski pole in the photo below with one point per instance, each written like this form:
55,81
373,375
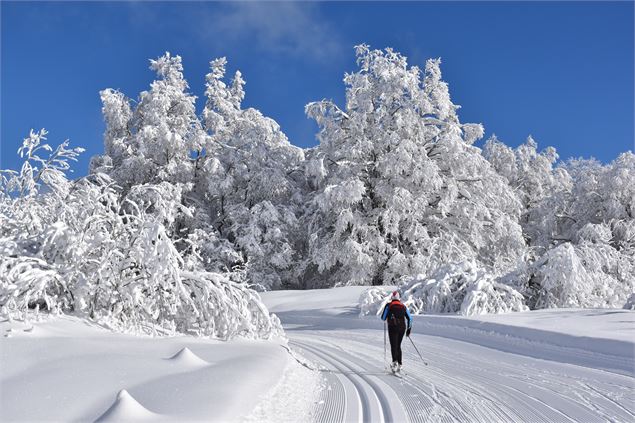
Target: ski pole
385,323
413,344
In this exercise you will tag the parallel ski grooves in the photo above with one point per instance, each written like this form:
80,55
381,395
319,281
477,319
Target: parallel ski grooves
463,382
385,404
367,406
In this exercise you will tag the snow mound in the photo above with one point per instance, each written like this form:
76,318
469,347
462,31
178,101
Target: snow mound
126,409
186,357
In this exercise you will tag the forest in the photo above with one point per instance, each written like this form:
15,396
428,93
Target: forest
185,217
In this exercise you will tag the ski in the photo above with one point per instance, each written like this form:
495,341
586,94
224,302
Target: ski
400,374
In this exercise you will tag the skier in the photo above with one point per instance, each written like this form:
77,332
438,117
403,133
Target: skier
396,314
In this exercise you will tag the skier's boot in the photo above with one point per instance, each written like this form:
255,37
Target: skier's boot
394,366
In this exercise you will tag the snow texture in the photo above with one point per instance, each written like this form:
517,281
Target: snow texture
126,409
547,365
69,369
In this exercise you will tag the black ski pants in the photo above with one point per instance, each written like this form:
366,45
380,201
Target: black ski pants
395,334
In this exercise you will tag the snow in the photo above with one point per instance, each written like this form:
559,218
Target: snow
187,358
330,301
603,324
67,369
126,408
606,324
184,217
287,400
547,365
557,335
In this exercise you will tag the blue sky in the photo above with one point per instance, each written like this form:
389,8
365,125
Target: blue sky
560,71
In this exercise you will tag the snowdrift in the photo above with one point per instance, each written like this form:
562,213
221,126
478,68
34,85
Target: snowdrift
126,409
63,368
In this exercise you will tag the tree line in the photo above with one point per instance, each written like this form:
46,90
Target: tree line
185,215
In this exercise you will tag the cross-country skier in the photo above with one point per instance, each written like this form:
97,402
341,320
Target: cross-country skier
399,322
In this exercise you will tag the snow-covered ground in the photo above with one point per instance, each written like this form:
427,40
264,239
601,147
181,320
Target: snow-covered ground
550,365
66,369
542,366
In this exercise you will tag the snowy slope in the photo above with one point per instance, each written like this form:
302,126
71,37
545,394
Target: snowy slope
65,369
545,366
551,365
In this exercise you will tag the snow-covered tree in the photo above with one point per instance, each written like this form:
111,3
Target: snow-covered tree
542,188
154,142
182,215
76,247
118,145
220,171
577,219
247,178
399,187
167,128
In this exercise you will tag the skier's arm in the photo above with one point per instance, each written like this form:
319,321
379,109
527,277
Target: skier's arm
384,315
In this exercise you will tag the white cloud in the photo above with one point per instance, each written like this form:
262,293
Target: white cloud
278,27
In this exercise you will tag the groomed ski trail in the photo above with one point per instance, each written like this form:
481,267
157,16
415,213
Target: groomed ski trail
460,388
463,382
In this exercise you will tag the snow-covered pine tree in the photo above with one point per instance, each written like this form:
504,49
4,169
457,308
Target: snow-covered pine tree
401,190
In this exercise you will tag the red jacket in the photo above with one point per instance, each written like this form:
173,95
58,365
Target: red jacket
396,314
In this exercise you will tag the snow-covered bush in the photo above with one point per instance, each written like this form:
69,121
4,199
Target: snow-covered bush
78,247
490,296
630,303
562,280
373,300
585,275
462,288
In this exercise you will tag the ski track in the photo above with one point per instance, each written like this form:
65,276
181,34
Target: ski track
459,384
